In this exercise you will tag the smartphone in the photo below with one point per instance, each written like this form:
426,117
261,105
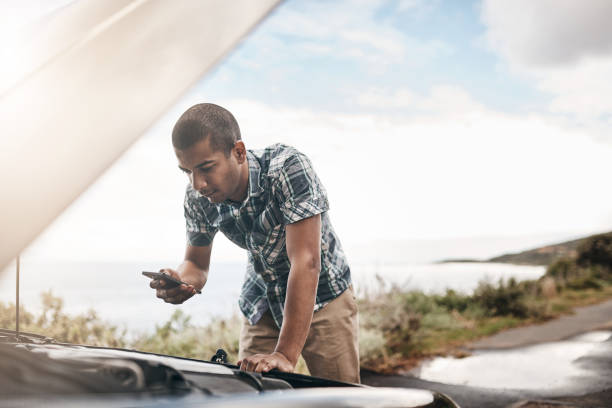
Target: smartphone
170,281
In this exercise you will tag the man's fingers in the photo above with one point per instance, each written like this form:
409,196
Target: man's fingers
259,363
175,300
264,366
248,364
263,363
170,272
155,283
176,295
175,292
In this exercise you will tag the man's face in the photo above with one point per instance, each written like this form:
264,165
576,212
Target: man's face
212,173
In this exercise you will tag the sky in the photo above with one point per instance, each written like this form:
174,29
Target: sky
426,121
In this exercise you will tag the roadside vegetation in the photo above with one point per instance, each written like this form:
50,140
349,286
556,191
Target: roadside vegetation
398,327
418,326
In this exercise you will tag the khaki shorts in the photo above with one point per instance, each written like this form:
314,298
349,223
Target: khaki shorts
332,347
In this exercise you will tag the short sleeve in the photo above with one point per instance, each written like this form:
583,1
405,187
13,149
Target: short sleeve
299,191
199,231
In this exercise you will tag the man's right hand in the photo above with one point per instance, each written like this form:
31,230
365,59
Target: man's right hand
176,295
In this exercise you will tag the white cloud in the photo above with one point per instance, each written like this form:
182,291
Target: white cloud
445,99
549,32
328,29
565,46
418,8
447,173
405,5
378,98
584,89
450,100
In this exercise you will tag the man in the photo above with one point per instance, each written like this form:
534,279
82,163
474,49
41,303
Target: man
271,203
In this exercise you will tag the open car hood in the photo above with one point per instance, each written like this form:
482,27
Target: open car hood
79,87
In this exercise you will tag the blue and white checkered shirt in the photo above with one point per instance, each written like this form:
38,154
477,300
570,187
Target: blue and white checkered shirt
283,189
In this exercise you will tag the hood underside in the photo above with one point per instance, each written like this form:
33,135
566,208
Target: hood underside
80,86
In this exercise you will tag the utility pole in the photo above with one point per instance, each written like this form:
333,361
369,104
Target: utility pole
17,302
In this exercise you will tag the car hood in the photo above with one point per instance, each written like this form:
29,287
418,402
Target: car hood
80,85
40,371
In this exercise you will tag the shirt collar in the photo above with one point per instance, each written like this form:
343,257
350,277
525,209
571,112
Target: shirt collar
255,187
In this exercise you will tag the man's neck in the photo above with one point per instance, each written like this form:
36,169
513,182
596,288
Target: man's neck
242,191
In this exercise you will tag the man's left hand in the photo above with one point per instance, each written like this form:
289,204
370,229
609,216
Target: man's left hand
262,363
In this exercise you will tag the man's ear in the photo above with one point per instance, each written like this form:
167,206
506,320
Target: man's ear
239,151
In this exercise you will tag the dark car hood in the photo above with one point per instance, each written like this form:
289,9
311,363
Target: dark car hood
36,370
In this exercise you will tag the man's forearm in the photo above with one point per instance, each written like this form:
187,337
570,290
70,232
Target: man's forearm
299,306
191,273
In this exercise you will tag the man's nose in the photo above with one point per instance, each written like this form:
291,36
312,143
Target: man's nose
198,182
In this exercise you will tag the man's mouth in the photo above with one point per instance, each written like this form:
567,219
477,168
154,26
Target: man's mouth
207,193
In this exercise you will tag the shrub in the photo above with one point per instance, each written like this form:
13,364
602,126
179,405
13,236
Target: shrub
507,299
180,338
372,347
586,282
453,300
596,250
388,324
591,270
563,270
85,328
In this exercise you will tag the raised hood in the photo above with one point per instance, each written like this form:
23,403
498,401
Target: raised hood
81,86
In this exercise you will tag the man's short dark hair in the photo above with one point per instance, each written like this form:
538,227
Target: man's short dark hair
206,120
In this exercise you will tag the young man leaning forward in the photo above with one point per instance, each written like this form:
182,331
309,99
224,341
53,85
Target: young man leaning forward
297,296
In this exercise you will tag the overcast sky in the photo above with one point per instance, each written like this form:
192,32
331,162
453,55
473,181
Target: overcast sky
424,119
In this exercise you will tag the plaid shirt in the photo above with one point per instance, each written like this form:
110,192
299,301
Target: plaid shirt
283,189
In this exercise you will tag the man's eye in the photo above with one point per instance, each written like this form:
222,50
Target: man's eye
206,169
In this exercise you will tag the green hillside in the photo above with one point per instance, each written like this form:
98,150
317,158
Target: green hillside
545,255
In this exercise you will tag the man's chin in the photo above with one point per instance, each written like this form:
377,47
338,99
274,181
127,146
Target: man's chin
215,198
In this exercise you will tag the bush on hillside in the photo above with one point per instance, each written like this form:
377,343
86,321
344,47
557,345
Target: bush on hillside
563,270
596,250
591,269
